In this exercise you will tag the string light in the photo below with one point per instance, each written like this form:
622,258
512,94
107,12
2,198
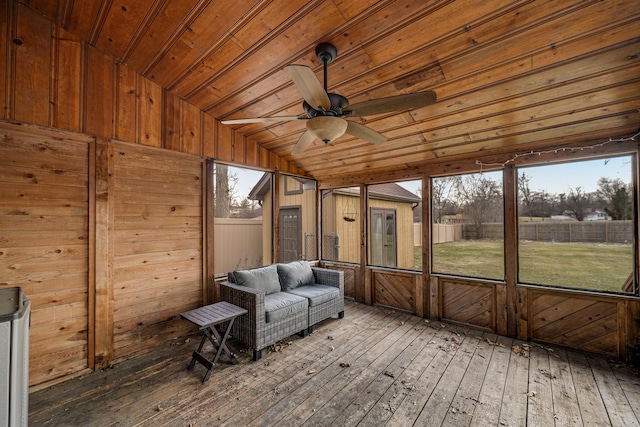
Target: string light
554,151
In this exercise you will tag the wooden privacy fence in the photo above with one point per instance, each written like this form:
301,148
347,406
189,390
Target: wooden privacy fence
237,244
560,231
441,233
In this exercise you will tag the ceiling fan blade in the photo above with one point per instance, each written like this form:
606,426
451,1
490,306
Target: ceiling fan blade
393,103
309,86
303,143
364,132
261,120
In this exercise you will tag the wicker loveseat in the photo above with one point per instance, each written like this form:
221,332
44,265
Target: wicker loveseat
281,300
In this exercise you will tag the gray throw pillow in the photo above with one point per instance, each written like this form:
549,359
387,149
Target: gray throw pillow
263,279
294,274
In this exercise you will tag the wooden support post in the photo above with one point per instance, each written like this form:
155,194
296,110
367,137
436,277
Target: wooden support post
434,298
510,248
426,245
363,290
91,303
208,245
103,329
276,216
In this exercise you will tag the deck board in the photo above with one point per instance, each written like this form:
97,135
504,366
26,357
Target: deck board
375,367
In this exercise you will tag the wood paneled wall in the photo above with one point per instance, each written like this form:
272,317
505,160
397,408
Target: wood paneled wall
108,241
158,244
45,243
52,78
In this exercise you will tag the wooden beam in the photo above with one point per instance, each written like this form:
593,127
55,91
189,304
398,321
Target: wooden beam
91,290
511,246
364,287
103,328
209,234
426,244
276,216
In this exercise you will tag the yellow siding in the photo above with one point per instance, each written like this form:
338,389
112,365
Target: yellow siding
336,206
404,229
306,200
348,232
267,233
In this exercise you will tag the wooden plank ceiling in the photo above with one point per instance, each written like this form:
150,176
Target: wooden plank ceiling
510,76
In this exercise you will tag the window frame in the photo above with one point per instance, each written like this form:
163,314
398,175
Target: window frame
634,223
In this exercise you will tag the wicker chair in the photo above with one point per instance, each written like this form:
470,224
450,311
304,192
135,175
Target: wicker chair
253,330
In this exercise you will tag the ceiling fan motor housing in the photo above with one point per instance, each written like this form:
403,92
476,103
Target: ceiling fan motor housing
338,104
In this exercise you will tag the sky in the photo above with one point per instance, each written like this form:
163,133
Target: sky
247,179
559,178
555,178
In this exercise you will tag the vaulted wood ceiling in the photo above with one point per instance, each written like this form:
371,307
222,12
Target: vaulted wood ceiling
510,76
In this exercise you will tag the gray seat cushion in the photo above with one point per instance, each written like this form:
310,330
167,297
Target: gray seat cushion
263,279
316,294
283,304
294,274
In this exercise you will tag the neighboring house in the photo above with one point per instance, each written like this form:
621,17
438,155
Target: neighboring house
593,215
297,219
597,215
390,220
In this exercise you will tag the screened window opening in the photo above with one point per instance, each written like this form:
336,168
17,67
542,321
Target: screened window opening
298,231
395,225
468,225
575,225
341,224
242,223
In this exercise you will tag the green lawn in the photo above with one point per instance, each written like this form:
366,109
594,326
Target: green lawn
576,265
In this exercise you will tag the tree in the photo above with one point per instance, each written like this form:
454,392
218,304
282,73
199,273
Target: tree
525,193
578,203
542,204
441,189
481,199
224,186
617,197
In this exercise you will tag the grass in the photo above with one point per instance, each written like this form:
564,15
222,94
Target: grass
589,266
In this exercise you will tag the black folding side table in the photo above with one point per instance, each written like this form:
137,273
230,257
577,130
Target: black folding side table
206,318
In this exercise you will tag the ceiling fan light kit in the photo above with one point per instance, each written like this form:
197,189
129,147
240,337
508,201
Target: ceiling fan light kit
327,128
324,110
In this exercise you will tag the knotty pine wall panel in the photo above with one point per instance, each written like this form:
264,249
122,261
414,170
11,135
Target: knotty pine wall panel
126,104
157,253
101,94
44,243
149,124
52,78
32,55
190,128
209,136
67,96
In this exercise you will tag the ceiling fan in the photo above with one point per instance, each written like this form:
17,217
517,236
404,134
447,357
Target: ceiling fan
324,111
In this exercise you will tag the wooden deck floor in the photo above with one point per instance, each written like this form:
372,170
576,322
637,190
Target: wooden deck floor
374,367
